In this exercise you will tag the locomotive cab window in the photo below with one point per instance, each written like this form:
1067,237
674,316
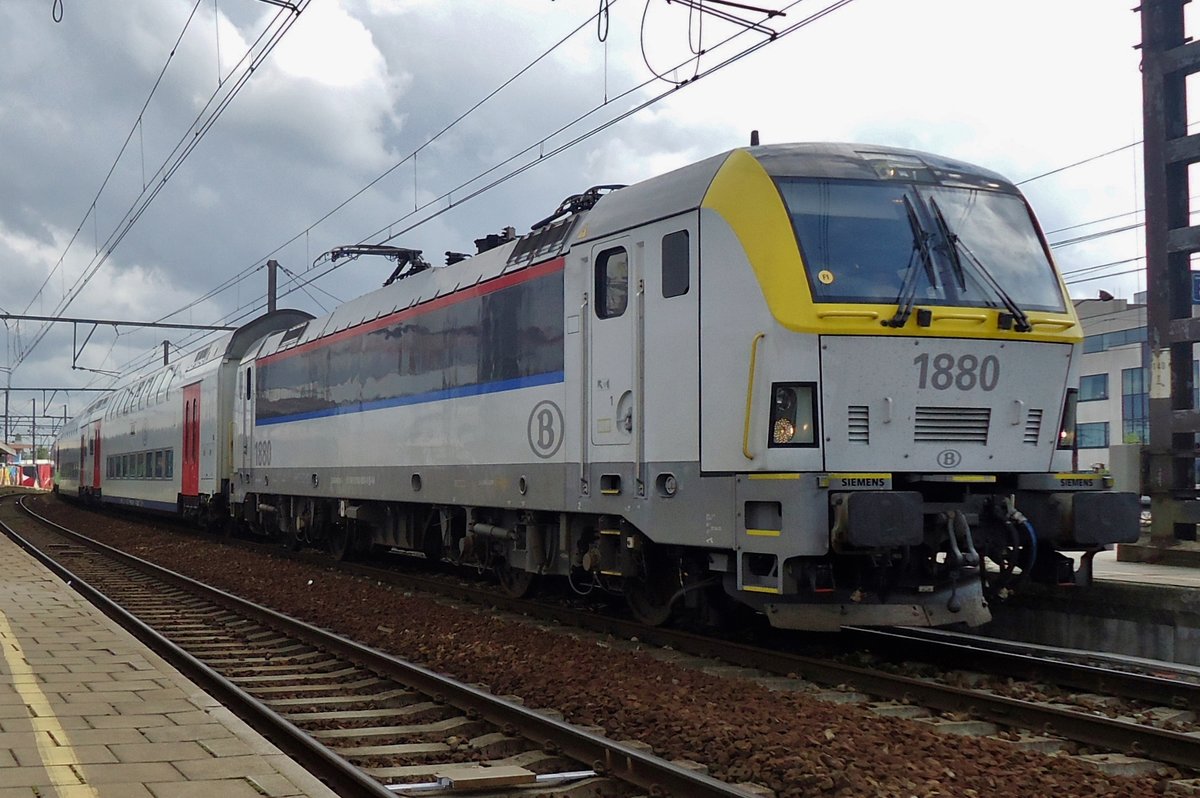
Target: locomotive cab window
612,282
862,242
676,265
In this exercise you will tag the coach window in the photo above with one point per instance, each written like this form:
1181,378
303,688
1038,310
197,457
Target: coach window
158,464
675,264
170,467
141,465
612,282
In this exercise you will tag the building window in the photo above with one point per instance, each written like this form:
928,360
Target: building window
1110,340
1092,387
1135,406
1093,435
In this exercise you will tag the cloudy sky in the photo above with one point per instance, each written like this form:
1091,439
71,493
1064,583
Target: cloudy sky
354,87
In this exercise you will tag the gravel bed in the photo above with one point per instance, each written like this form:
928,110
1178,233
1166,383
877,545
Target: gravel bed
792,743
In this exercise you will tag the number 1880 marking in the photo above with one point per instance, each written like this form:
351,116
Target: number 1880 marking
943,371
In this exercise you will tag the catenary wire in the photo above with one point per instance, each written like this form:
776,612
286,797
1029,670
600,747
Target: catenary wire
104,184
191,138
259,304
250,270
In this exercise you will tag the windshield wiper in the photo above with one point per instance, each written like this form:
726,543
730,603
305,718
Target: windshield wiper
1019,321
908,287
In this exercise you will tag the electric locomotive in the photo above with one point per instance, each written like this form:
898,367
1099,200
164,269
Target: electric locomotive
830,383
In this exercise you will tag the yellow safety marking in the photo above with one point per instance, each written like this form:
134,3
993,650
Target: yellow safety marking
749,455
773,476
611,573
972,478
1078,475
610,492
24,681
764,533
823,481
610,531
757,589
745,196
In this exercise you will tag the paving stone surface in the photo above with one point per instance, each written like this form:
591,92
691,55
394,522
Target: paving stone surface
86,711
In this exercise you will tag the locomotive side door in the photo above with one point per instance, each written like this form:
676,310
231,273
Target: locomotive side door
190,467
612,397
82,457
95,455
246,400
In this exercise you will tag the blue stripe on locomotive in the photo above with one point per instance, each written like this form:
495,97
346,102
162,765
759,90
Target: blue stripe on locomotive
433,396
503,340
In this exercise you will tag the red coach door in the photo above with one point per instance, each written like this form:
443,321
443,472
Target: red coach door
96,457
191,440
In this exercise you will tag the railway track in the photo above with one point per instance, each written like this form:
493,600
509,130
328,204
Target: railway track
364,722
1048,718
1078,711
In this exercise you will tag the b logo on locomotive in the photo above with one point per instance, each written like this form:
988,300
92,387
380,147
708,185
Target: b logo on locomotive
545,429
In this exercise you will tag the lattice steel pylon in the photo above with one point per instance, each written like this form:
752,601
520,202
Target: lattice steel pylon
1169,474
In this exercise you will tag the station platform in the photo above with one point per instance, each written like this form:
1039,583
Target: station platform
1116,566
87,711
1139,609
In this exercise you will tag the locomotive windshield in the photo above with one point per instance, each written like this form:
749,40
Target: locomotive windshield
969,247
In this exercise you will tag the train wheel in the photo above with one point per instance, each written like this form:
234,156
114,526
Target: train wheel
338,541
514,582
650,602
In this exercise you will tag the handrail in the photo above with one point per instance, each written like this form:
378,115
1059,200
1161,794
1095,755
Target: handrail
585,394
1062,324
750,395
979,318
846,314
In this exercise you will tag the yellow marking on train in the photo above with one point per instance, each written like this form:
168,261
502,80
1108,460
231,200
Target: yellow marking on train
773,476
611,573
610,492
610,531
53,743
763,533
1088,475
757,589
745,196
972,478
824,480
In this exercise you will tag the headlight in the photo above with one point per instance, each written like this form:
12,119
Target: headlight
1066,430
793,416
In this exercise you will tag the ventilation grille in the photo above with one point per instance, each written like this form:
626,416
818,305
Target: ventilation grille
952,425
1033,426
858,424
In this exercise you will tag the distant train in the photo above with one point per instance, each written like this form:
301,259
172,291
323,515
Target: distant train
827,382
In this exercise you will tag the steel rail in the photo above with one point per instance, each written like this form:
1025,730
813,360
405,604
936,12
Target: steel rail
606,757
963,654
338,774
1120,735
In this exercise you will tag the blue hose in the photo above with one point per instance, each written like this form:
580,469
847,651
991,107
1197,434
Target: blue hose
1033,543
